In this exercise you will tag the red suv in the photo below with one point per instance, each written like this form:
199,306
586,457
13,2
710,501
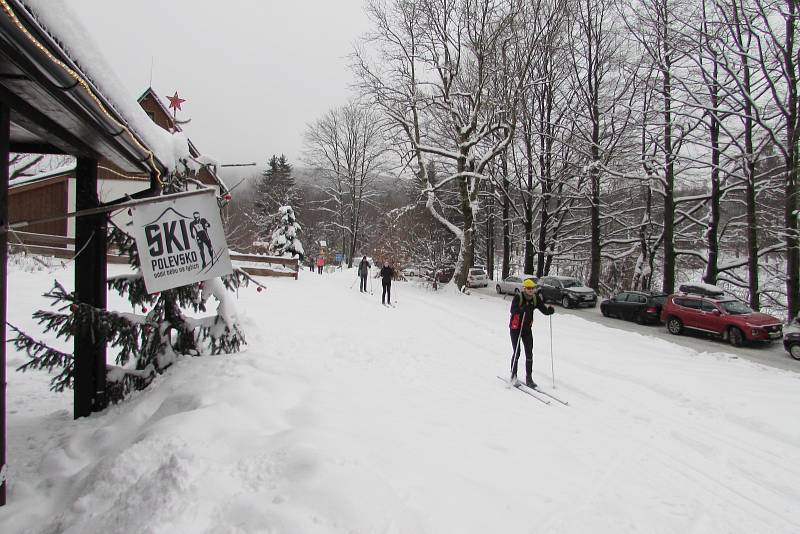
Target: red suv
721,316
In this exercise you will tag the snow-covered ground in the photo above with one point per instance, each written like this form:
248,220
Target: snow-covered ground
346,416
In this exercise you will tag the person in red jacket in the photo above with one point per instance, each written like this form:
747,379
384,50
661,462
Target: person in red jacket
521,322
320,263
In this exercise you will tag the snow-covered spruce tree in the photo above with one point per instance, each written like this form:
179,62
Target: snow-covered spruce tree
274,189
284,237
149,342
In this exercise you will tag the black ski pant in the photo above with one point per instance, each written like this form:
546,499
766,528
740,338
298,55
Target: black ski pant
387,292
522,337
363,286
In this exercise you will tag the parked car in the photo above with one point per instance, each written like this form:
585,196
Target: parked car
723,316
410,272
476,277
512,284
791,342
569,291
444,275
640,306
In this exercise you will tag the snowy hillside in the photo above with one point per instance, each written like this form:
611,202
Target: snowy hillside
346,416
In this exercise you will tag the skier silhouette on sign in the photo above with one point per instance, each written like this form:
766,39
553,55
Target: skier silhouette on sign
197,229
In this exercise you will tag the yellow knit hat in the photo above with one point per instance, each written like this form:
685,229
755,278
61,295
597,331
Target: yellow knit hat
529,283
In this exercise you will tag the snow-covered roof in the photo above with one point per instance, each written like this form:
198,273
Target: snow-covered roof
63,169
59,22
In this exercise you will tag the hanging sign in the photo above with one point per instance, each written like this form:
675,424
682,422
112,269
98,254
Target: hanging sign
180,241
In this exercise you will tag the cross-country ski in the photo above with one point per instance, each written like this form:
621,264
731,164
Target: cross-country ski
525,389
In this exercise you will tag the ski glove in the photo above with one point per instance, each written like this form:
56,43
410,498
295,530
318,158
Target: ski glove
515,322
549,311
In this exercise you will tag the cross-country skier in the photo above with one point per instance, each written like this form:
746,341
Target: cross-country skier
363,271
387,273
521,322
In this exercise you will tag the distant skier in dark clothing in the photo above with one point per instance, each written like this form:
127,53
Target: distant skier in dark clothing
363,272
387,273
521,322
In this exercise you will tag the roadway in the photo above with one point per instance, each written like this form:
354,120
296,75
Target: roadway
772,354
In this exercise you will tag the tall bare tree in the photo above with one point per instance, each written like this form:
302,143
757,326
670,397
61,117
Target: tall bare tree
347,146
436,64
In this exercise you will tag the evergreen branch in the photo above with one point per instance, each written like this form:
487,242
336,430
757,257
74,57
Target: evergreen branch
44,357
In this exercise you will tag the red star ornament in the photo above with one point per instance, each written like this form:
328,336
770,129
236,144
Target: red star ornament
175,101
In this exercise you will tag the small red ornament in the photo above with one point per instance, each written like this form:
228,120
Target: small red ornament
228,197
175,101
144,309
259,288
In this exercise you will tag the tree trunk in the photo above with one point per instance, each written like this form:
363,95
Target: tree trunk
712,230
791,160
528,203
506,220
468,243
490,234
668,280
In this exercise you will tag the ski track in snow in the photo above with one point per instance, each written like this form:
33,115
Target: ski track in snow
345,416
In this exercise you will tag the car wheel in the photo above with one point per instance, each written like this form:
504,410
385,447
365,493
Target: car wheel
735,336
497,288
565,302
674,326
604,311
639,318
516,291
794,351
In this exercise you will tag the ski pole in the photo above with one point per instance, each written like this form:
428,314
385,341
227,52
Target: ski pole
354,282
552,365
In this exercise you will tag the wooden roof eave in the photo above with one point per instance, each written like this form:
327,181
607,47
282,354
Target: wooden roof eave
50,108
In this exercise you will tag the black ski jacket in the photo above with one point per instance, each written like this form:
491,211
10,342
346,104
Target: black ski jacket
522,310
387,273
363,268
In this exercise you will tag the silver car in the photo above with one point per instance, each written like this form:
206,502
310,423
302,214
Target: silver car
476,277
512,284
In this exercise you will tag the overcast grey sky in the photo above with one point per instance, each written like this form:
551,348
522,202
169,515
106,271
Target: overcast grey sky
253,72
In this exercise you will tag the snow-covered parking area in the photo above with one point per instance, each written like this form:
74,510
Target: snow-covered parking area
346,416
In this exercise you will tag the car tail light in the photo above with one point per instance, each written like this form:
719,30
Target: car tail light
651,309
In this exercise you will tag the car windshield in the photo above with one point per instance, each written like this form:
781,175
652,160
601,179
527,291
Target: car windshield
571,282
734,307
476,272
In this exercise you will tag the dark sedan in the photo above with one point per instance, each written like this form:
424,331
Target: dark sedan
640,306
569,291
791,342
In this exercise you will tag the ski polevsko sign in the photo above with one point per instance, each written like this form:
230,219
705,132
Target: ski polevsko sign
180,241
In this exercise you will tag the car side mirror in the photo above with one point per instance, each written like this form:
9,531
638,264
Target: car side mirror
715,311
